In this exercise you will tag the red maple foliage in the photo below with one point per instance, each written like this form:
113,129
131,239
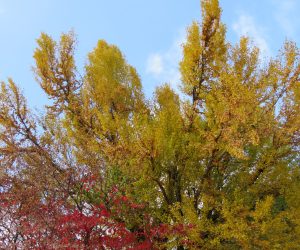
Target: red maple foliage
31,222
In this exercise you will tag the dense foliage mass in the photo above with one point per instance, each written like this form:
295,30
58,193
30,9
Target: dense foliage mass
216,167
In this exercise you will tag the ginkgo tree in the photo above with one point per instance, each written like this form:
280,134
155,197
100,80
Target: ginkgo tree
215,167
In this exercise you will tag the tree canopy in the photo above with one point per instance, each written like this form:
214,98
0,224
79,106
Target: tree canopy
215,167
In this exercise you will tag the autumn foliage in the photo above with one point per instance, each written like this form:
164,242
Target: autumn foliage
54,224
214,167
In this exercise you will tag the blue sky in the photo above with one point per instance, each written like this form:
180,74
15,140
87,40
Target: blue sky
149,33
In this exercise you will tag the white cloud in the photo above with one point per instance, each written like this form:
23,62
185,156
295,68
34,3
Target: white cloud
155,64
285,15
245,26
164,66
